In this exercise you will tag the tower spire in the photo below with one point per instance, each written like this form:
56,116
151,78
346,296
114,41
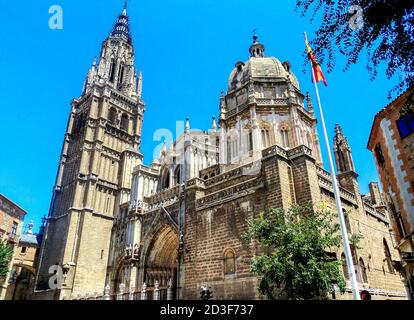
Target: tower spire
121,26
343,152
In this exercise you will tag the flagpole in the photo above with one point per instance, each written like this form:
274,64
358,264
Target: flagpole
347,248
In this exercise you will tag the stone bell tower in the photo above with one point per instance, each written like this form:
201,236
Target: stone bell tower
101,147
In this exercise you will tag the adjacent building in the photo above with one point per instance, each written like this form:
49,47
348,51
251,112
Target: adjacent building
11,221
392,144
176,225
24,264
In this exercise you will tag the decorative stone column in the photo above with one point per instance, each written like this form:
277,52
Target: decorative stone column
170,290
107,292
157,290
121,291
144,291
223,143
132,292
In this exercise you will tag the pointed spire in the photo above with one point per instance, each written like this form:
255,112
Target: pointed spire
187,126
309,103
214,125
343,153
121,26
338,130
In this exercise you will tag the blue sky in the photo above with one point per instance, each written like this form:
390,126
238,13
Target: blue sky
186,50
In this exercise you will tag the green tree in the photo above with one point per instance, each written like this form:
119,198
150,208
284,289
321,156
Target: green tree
381,29
294,261
6,253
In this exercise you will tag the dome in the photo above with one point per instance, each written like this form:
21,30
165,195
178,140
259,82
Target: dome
260,67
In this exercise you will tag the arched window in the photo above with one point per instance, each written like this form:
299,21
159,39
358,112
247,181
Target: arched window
112,71
121,74
165,182
233,145
250,141
124,122
112,115
344,267
285,139
229,262
363,271
177,175
388,258
266,138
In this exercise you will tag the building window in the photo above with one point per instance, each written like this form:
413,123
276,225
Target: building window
121,74
124,122
379,155
233,146
229,262
406,125
23,250
363,271
112,115
112,71
344,267
285,138
13,232
102,254
265,138
250,141
388,258
177,175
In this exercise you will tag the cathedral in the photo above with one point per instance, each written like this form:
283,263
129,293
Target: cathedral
118,226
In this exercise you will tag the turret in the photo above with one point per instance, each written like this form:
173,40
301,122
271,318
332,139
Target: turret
347,175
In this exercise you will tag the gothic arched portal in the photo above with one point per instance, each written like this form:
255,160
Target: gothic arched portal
162,258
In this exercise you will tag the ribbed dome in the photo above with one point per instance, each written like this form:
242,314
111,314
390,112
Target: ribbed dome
259,68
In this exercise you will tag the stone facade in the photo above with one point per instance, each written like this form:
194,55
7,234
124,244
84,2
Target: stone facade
176,225
392,144
189,208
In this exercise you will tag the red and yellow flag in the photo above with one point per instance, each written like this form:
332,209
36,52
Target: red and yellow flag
316,67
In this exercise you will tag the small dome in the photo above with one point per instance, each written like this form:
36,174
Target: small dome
259,68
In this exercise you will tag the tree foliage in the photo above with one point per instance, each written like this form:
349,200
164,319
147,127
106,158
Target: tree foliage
386,35
294,260
6,253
